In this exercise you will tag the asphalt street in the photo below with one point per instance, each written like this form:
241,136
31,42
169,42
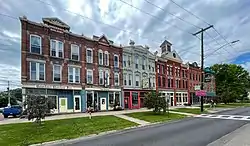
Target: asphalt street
188,132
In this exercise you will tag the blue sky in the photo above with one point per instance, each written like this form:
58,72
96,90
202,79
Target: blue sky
147,22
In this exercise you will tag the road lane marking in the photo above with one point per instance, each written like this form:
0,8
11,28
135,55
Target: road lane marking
227,117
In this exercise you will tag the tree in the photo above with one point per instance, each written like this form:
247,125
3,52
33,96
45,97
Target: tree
36,107
154,101
231,81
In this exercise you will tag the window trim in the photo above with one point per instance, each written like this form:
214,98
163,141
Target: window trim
106,53
89,49
130,74
108,80
40,42
74,74
78,51
57,48
54,72
37,71
100,52
92,76
115,55
101,71
118,75
138,80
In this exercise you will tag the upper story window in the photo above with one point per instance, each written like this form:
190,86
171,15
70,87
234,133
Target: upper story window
74,74
158,68
57,73
153,67
143,63
75,52
136,62
124,60
171,70
183,73
129,60
106,77
35,44
159,81
130,79
89,55
163,69
153,81
101,77
116,79
56,48
89,76
116,61
137,80
100,57
106,58
125,79
37,71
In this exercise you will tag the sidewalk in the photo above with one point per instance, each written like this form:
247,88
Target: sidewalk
239,137
78,115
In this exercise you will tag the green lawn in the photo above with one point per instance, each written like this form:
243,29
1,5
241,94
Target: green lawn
189,110
30,133
151,117
230,105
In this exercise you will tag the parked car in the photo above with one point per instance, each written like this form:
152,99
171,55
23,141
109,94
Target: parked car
13,110
1,109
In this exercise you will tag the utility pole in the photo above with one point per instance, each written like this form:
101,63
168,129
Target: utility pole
8,88
202,59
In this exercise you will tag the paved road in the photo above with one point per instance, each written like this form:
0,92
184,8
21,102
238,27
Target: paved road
187,132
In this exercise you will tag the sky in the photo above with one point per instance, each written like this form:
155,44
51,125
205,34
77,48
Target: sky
147,22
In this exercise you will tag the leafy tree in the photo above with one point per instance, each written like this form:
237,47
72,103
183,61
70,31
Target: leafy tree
231,81
36,107
154,101
4,100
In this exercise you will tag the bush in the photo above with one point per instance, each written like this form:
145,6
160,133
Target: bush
154,101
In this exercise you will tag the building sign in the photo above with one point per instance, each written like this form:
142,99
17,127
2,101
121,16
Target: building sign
197,87
56,87
200,93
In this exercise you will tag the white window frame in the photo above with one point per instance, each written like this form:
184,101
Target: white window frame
125,79
38,71
137,61
130,75
107,71
91,72
129,60
33,35
57,48
106,53
144,62
137,75
74,74
118,75
78,52
91,60
54,72
153,82
124,58
100,61
102,76
115,55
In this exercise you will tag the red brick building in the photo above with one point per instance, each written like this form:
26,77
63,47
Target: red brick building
172,76
194,72
73,70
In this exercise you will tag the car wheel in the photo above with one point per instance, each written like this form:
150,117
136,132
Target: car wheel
5,116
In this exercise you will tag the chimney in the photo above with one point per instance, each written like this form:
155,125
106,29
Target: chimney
165,47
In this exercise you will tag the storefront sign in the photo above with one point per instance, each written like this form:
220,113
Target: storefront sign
200,93
56,86
197,87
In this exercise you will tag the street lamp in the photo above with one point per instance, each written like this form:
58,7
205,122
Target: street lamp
233,42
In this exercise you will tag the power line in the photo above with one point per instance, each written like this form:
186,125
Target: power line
200,20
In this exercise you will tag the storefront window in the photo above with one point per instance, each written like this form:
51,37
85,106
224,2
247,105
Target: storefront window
111,99
117,98
134,99
53,102
89,99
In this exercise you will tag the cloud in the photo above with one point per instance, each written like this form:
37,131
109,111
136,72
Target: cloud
120,21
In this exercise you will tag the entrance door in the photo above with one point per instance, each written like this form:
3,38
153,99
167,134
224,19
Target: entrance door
77,103
63,105
103,103
126,101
